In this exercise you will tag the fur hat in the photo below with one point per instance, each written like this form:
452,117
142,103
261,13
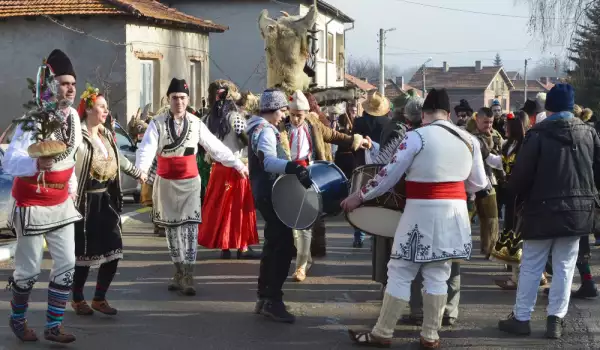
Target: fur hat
377,105
540,100
463,106
214,87
299,102
272,100
178,85
436,100
60,63
248,102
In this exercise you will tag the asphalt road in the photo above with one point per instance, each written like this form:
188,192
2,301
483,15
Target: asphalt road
338,294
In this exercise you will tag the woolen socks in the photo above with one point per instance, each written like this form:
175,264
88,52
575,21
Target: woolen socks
391,310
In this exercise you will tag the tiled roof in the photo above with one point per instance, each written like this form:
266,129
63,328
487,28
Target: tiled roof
150,10
456,77
359,83
532,86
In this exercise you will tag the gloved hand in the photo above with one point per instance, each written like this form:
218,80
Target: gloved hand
300,172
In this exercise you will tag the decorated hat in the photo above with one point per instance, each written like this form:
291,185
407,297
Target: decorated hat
299,102
376,105
88,98
178,86
436,100
60,63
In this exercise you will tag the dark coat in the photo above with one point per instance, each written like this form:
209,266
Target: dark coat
556,172
369,126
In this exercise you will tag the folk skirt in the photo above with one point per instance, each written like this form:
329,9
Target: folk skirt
228,212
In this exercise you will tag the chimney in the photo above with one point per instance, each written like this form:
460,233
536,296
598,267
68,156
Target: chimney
477,65
400,82
544,80
446,67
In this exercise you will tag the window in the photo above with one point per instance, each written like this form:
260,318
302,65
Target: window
195,84
321,44
146,83
330,48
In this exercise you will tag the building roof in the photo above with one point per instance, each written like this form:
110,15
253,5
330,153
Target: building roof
532,86
458,77
330,10
359,83
149,10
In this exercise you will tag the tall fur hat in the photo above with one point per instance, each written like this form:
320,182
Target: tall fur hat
60,63
249,102
214,87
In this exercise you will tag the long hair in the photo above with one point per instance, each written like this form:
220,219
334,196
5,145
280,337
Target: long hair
515,127
217,121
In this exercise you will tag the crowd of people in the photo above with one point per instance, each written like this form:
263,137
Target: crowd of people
206,172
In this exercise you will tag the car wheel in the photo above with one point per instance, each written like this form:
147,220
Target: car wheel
136,197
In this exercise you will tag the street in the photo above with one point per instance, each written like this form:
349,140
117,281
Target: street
337,294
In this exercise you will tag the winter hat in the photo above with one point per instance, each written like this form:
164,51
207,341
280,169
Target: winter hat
540,100
178,85
495,102
560,98
60,63
437,99
299,102
272,100
463,106
529,107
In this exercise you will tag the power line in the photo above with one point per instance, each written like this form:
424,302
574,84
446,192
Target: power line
469,11
456,52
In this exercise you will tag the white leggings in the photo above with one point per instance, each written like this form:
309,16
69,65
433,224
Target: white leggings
302,239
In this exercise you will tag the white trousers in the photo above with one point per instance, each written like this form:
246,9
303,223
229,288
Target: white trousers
30,251
401,273
182,242
302,239
533,262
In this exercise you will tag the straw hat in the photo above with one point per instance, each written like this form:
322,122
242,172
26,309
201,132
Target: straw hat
377,105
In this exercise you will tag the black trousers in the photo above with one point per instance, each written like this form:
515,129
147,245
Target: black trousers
276,255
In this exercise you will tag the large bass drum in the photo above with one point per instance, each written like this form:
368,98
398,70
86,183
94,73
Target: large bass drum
298,207
379,216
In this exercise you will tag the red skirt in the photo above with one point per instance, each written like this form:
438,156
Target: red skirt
228,213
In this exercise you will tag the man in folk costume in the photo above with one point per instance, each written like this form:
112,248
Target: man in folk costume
308,136
442,163
43,208
486,205
173,138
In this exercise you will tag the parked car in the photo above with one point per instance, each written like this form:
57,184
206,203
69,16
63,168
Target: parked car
126,146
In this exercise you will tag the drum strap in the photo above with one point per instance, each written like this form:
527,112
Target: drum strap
453,132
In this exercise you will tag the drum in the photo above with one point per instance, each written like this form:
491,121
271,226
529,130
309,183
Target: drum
379,216
298,207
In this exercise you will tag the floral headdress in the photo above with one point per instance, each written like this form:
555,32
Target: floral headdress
88,98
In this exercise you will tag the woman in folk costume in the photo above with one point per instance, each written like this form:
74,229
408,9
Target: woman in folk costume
173,139
42,204
228,213
372,124
307,137
98,239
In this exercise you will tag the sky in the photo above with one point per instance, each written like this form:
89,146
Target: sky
423,32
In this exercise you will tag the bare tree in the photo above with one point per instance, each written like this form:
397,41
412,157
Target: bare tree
555,21
106,84
369,69
547,67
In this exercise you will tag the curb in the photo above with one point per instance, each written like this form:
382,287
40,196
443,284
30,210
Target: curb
7,251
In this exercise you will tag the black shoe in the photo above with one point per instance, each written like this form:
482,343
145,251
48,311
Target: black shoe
448,321
554,327
258,307
225,254
277,311
587,290
513,326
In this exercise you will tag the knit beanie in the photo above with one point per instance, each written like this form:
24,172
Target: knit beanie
272,100
560,98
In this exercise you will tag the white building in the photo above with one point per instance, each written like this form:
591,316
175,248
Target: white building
239,54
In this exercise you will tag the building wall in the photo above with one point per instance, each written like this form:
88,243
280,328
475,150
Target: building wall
32,40
474,97
171,53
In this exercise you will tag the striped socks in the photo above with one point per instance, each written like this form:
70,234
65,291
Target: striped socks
57,301
19,305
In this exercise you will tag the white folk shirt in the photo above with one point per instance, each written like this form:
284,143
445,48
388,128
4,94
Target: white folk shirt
177,202
432,229
18,163
300,142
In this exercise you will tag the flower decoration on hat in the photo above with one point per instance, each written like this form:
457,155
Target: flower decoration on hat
510,116
88,98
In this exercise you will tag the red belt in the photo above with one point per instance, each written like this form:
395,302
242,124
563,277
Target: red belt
50,190
436,190
177,168
303,162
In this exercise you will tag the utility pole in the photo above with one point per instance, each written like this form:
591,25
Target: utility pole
423,68
381,59
525,90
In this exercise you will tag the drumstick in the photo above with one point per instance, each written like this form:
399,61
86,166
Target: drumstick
301,205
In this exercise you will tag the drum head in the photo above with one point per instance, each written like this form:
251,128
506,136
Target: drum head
296,206
376,221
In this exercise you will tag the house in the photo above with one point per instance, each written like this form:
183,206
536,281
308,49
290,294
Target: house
239,54
517,96
130,49
514,75
477,84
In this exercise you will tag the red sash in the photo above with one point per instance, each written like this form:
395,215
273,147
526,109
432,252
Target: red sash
303,162
436,190
177,168
56,189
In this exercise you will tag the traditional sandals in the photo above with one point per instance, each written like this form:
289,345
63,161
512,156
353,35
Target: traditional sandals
369,340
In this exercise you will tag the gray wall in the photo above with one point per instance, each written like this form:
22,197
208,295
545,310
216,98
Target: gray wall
26,43
239,52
